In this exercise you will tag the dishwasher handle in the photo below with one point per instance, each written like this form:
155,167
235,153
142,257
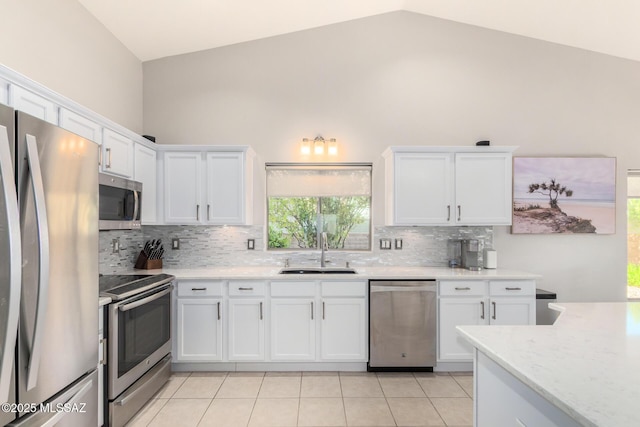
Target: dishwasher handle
403,288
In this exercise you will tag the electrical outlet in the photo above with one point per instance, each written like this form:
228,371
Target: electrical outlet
251,244
385,244
175,244
398,244
115,246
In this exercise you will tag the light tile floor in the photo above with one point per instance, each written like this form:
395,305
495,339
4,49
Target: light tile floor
311,399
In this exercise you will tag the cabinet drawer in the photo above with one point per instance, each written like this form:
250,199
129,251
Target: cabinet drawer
512,287
246,288
463,287
293,289
344,289
199,288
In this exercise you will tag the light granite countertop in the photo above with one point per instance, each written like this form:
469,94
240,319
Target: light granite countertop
406,273
587,363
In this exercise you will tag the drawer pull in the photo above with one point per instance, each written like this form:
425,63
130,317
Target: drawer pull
245,289
463,289
494,310
198,289
513,289
482,309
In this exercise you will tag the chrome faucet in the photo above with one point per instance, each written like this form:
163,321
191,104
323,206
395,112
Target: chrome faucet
325,247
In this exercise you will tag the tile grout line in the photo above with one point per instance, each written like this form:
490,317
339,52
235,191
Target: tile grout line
386,401
213,398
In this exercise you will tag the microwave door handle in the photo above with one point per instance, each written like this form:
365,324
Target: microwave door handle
138,303
43,267
15,267
136,205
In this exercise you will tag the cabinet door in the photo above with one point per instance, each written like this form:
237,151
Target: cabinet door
145,172
117,154
35,105
343,329
293,329
513,311
225,188
483,188
182,183
80,126
455,311
422,188
4,92
246,329
199,329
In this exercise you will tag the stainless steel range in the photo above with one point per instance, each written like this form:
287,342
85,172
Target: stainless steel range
138,327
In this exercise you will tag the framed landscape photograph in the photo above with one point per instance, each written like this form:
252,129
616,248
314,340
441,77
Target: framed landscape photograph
564,195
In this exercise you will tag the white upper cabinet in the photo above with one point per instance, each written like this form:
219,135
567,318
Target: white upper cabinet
4,92
117,154
211,186
448,185
145,172
35,105
483,188
80,125
182,182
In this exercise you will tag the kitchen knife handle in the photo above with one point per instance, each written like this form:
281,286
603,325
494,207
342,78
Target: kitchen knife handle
42,224
482,309
108,165
494,310
13,288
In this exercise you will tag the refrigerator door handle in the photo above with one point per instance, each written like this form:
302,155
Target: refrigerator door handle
43,267
72,401
15,272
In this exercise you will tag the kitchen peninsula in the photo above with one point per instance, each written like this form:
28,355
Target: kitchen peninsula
583,370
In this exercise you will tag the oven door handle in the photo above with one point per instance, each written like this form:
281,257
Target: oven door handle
131,305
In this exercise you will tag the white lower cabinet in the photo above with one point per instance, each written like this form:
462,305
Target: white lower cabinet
495,302
344,329
246,329
199,329
293,329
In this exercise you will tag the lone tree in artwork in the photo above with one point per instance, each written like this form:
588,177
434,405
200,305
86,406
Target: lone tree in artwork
553,189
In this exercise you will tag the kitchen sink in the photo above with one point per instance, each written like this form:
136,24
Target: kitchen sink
318,270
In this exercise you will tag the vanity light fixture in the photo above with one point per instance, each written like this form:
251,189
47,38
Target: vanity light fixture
318,146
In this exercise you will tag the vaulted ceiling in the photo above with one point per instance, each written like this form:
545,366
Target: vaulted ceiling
154,29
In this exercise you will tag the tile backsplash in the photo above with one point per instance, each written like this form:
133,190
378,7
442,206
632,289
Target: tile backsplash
225,246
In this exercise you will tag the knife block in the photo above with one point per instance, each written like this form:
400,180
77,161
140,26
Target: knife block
144,263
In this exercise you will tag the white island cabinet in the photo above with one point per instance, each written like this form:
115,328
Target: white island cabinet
448,185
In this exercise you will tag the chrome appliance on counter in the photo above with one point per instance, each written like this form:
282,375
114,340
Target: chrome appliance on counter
138,327
48,274
402,325
120,201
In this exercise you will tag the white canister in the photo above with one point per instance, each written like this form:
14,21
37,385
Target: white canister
490,258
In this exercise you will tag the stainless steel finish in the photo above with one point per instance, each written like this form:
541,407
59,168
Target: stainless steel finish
311,310
463,289
10,262
108,165
10,268
513,289
260,310
324,243
117,295
82,395
494,310
482,309
126,184
219,315
317,270
245,289
402,319
132,400
143,301
42,225
103,344
66,330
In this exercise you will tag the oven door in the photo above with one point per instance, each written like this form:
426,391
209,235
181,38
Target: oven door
139,336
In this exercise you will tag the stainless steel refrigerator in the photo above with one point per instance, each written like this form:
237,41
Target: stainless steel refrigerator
48,274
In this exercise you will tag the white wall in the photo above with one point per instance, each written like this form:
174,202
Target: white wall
408,79
62,46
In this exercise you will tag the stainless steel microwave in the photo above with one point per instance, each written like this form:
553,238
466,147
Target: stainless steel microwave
119,203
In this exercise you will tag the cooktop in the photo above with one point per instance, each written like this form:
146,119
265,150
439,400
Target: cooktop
121,286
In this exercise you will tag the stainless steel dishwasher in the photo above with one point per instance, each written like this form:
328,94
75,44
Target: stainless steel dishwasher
402,325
